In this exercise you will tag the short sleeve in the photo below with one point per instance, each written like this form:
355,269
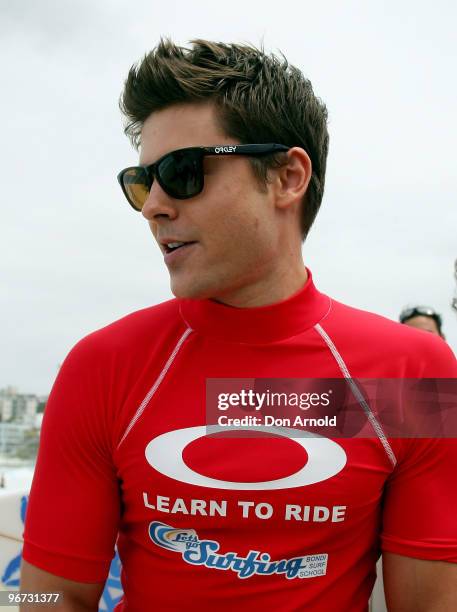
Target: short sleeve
74,505
420,504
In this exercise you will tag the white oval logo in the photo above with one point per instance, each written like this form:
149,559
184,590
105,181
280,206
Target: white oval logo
325,459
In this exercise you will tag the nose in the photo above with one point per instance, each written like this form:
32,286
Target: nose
159,205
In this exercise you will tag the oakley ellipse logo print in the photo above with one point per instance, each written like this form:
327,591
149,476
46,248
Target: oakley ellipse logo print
325,459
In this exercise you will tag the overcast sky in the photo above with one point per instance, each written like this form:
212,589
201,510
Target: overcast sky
75,256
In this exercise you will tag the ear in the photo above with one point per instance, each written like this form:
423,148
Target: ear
291,180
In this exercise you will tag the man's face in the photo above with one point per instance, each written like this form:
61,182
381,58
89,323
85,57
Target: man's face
423,322
230,229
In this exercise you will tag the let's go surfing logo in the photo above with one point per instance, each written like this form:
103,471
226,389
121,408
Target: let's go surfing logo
204,552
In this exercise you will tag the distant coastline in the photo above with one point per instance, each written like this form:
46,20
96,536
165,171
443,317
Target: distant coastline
12,462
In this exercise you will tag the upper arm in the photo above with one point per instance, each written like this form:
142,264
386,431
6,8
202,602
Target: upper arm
420,501
417,585
419,536
73,510
77,596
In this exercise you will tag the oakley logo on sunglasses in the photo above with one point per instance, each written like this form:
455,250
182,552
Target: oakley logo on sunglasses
224,149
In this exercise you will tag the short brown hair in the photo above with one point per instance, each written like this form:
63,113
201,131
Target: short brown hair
260,98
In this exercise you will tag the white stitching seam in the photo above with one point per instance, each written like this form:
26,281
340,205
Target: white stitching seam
358,395
155,386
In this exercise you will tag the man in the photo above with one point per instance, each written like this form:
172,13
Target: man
211,522
423,317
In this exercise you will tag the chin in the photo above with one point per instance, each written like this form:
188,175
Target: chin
191,289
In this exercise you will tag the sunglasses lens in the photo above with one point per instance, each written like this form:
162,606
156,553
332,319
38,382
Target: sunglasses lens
136,184
428,312
408,313
181,174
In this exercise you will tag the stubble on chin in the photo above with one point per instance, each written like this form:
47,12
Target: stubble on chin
190,288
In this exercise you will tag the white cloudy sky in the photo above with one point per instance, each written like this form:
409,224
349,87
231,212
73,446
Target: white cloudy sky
75,256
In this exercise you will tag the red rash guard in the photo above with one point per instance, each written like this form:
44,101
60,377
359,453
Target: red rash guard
198,523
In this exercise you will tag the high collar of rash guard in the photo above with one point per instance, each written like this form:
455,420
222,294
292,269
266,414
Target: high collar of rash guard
260,325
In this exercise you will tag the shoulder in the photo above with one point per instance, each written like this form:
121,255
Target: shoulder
145,322
137,333
391,348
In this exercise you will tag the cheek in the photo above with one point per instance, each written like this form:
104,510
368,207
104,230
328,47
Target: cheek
237,219
245,240
153,228
240,228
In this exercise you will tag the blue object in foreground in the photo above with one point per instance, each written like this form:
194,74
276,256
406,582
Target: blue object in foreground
112,593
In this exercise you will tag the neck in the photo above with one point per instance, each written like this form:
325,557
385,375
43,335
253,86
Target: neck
268,323
270,288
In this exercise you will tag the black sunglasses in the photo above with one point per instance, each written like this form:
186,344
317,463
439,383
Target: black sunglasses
180,173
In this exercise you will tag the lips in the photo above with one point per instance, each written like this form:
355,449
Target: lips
175,245
171,244
176,253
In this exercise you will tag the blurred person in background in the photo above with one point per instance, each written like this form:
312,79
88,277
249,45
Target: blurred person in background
423,317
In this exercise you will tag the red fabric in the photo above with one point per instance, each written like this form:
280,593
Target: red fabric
88,485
